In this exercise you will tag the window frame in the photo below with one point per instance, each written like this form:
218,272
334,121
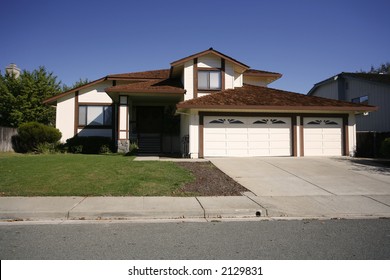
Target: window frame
360,100
208,81
105,116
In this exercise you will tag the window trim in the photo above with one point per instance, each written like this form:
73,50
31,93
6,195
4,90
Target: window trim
103,106
360,100
209,70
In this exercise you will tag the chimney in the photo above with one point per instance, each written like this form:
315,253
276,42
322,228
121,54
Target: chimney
13,70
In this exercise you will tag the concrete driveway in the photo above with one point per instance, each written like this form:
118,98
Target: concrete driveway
312,186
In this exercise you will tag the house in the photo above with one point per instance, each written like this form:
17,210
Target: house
360,88
207,104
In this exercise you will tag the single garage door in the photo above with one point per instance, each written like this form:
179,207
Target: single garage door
247,136
322,136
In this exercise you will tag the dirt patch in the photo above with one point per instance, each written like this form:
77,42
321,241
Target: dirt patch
210,181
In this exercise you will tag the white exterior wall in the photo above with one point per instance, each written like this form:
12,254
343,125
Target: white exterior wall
352,134
194,136
65,113
95,94
189,80
238,79
256,81
299,128
209,61
229,75
65,116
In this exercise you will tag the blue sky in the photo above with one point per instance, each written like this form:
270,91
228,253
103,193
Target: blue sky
305,40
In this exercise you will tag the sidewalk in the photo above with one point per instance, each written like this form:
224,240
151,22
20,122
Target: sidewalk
209,208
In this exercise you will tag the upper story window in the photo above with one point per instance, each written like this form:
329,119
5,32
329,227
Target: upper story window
361,100
95,115
209,80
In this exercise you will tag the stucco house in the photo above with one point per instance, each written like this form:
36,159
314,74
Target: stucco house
208,104
361,88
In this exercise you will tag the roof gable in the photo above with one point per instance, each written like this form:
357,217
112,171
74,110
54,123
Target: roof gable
132,76
376,78
209,51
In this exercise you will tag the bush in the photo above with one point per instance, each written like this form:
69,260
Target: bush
133,149
385,148
90,145
33,135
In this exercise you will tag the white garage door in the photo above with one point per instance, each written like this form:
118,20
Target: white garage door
247,136
322,136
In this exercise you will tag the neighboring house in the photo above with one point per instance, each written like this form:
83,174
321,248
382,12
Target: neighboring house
361,88
207,104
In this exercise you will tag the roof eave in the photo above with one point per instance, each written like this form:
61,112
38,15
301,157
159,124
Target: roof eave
281,108
51,100
276,75
145,91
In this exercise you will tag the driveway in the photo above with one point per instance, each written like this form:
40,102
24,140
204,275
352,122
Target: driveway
312,186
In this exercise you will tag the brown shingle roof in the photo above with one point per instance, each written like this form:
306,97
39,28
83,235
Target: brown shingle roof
137,76
154,74
157,86
255,97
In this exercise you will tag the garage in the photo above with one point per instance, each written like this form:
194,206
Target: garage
247,136
322,136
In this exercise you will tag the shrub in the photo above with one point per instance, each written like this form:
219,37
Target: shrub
385,148
33,134
90,145
133,149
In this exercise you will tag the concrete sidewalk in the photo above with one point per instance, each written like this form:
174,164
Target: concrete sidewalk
209,208
122,208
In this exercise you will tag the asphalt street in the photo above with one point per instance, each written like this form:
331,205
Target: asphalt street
294,239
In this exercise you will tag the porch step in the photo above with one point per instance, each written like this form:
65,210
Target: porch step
149,144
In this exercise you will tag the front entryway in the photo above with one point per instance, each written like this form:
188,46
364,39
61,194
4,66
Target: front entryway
150,122
247,136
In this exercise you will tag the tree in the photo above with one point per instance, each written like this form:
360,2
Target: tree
21,98
384,68
79,83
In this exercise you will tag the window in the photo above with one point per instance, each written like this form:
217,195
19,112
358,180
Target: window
95,115
361,100
209,79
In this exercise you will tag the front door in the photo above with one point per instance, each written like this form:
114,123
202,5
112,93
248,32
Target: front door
150,122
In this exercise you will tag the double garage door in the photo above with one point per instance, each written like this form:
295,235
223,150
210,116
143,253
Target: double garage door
268,136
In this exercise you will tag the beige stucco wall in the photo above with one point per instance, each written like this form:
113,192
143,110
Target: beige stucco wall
65,116
95,93
352,134
232,78
189,80
256,81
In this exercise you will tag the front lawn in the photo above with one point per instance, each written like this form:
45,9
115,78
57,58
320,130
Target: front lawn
88,175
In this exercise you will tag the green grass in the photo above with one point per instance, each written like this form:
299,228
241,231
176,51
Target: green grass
88,175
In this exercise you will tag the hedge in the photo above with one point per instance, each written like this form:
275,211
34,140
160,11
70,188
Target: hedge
33,134
90,145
